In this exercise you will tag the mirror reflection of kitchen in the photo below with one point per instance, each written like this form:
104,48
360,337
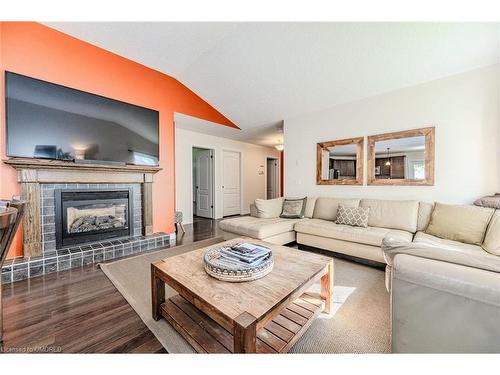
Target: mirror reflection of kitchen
402,158
339,163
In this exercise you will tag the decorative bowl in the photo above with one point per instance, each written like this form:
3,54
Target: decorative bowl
235,274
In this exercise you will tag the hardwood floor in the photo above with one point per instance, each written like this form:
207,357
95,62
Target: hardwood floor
80,310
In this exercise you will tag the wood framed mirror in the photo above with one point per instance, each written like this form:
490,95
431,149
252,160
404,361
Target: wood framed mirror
402,158
340,162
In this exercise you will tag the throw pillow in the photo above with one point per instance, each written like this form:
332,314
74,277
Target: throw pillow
269,208
492,201
459,222
353,216
293,208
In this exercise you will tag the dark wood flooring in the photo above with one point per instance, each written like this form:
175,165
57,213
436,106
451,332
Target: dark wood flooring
80,310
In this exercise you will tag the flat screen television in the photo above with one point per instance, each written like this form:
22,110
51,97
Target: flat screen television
46,120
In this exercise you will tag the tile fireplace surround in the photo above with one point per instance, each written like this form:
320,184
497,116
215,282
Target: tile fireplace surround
39,180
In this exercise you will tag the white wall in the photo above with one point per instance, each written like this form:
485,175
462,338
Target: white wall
498,120
465,111
253,161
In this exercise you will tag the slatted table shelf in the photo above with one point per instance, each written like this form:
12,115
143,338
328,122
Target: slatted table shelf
207,336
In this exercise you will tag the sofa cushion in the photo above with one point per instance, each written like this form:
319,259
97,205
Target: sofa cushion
460,222
354,249
293,208
310,203
269,208
427,239
492,240
326,208
424,215
392,214
353,216
368,236
258,227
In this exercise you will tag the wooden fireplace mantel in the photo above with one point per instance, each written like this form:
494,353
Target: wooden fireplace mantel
22,163
33,172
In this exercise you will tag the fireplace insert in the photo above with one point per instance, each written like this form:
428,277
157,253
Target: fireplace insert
92,215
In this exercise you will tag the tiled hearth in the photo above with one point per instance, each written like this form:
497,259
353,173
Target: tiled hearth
77,256
40,180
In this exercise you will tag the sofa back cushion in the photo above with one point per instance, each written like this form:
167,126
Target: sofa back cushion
392,214
253,210
269,208
492,239
460,222
327,208
310,203
424,215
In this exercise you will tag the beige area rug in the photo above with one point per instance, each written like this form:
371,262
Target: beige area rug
359,322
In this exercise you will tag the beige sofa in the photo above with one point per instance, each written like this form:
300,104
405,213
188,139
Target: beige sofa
445,294
397,219
402,221
444,298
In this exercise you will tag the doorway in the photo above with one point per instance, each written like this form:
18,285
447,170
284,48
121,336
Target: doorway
231,183
273,178
203,182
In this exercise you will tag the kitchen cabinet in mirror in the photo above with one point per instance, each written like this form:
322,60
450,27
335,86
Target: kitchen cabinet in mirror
402,158
340,162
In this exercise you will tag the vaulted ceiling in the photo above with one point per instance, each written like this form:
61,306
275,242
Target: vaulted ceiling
258,74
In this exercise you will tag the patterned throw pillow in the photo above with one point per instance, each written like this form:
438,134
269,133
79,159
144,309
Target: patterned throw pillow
353,216
293,208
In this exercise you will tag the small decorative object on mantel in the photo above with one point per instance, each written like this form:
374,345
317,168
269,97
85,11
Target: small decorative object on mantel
238,262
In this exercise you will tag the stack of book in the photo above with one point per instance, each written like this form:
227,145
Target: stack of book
244,255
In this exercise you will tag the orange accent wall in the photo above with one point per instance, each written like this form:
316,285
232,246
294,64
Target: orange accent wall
41,52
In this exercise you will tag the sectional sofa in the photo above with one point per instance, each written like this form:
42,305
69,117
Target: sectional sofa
445,288
401,220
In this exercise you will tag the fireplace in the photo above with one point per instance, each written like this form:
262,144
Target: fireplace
83,216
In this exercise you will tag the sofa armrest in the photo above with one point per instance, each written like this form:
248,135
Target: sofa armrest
443,307
462,256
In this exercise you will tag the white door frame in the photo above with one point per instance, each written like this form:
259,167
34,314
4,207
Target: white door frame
240,177
193,178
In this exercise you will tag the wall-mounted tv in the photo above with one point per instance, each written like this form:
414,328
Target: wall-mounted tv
46,120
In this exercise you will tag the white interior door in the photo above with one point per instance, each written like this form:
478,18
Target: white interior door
272,178
204,184
231,188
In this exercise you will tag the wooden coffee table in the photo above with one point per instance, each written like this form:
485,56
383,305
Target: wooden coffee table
263,316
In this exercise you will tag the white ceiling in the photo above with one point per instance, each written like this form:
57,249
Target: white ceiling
401,145
269,135
258,74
